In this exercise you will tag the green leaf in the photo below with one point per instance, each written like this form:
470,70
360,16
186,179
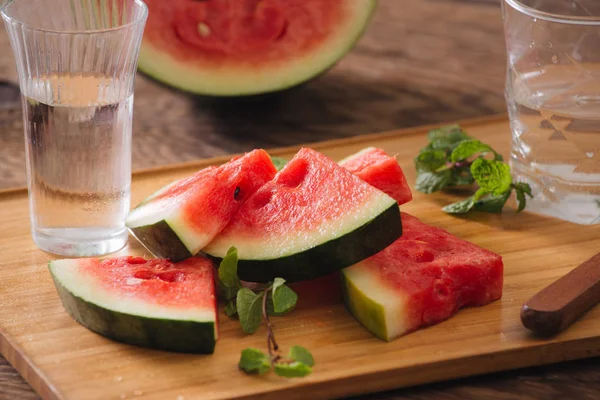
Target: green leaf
522,189
453,133
229,283
249,309
284,298
430,160
300,354
279,162
461,176
492,176
292,370
429,182
468,148
254,361
492,204
231,309
460,207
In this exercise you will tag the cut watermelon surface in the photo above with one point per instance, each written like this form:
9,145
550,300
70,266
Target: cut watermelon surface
423,278
183,217
245,47
378,169
313,218
149,303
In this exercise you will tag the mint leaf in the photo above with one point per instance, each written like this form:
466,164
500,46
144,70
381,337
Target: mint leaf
300,354
429,182
461,176
454,134
492,204
293,370
230,309
229,283
522,189
430,160
249,309
254,361
278,162
468,148
460,207
284,298
492,176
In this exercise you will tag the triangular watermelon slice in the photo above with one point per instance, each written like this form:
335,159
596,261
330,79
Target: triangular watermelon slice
423,278
149,303
313,218
380,170
183,217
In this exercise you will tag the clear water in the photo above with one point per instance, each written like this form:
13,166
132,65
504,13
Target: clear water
79,164
555,119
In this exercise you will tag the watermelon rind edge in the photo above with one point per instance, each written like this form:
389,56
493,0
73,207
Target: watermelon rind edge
181,336
148,66
327,257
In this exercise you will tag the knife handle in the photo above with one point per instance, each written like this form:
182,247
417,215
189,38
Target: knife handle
558,305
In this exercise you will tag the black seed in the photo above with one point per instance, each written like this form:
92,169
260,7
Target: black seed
236,193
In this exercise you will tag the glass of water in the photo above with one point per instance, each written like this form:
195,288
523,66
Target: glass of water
76,61
553,97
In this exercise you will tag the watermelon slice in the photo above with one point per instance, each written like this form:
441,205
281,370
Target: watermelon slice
375,167
421,279
149,303
245,47
181,218
313,218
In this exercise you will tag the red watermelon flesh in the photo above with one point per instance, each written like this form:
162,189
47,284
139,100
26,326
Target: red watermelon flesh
276,214
195,209
380,170
423,278
233,47
151,303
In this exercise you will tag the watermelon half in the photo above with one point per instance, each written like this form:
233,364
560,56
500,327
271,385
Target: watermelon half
380,170
245,47
423,278
181,218
149,303
313,218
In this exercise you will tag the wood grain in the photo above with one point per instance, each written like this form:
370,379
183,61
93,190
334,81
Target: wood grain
558,305
61,359
420,62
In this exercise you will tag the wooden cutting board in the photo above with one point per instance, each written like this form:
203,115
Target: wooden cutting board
63,360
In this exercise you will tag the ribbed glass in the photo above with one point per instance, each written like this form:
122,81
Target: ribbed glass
76,61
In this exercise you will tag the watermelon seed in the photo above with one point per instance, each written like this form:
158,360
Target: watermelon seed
236,193
203,29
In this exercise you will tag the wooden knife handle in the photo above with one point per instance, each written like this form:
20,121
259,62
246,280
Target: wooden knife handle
558,305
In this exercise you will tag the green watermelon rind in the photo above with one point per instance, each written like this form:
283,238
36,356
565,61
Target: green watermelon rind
150,64
174,335
364,309
330,256
167,238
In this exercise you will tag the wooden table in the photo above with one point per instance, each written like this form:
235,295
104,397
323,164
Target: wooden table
425,61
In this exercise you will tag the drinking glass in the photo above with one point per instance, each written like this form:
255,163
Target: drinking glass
553,98
76,61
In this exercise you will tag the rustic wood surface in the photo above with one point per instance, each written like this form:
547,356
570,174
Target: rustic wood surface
420,62
61,359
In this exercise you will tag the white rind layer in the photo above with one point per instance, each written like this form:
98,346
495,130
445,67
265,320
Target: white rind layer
236,79
68,273
261,246
392,301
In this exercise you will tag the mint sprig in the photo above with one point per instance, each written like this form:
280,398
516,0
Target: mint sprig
254,307
452,158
